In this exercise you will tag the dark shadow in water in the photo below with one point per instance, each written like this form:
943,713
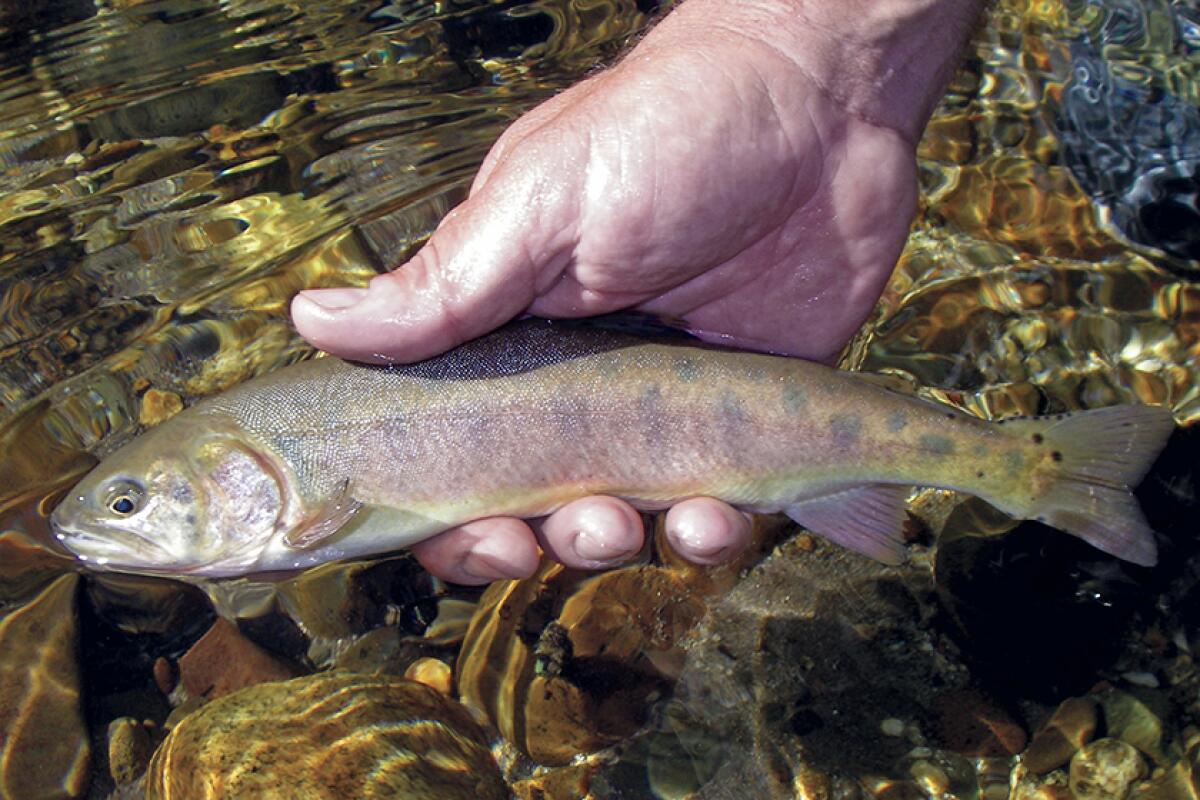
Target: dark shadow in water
1039,614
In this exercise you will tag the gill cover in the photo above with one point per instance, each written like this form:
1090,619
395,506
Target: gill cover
246,498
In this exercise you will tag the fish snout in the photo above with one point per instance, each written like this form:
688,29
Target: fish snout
105,547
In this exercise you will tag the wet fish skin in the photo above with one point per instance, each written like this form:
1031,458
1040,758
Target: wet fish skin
326,459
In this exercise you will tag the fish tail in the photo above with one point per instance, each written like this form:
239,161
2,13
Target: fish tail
1096,458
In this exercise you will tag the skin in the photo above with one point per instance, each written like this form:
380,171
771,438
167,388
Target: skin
748,168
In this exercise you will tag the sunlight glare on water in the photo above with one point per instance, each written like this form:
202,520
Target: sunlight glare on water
1024,289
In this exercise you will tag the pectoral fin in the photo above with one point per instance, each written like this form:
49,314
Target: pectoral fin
323,523
865,519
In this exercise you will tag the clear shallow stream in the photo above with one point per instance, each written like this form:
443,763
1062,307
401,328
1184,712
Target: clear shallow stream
172,172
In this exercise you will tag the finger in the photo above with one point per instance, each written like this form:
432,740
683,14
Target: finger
592,533
498,548
706,531
542,114
483,265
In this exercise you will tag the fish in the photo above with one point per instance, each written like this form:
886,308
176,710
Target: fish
327,460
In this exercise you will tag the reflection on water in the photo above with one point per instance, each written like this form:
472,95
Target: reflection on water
171,173
1017,293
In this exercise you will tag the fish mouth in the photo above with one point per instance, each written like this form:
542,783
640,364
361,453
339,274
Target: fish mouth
108,548
114,550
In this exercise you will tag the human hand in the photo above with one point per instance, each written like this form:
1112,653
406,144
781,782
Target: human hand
710,176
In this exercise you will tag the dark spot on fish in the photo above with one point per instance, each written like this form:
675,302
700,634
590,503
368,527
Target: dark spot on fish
845,431
570,418
979,473
794,399
1037,438
896,421
732,413
936,444
686,369
1001,421
1055,455
950,415
650,415
479,430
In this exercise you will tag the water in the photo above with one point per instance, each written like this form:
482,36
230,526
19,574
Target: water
171,173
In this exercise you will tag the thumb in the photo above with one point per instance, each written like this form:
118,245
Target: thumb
480,269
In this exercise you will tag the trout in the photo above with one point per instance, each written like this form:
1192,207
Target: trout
328,460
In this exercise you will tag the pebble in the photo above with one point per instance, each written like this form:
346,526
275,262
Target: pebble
1070,727
1147,680
434,673
129,750
1042,787
223,661
1133,719
158,406
892,727
166,675
930,777
1105,770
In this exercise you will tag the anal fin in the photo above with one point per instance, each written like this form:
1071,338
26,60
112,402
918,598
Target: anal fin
323,523
865,519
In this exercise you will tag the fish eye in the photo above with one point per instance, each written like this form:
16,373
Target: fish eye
124,499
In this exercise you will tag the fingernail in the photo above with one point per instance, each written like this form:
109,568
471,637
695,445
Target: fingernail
596,547
699,547
335,299
484,568
488,562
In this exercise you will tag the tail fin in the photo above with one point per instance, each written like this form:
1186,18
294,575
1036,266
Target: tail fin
1101,455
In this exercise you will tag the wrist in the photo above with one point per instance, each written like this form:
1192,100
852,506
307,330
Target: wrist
885,61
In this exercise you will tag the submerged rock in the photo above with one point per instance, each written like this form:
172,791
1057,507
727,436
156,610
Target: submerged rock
330,735
1133,719
565,663
44,749
1070,727
129,748
224,660
793,673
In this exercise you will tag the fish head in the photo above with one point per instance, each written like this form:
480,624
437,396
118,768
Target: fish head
187,497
